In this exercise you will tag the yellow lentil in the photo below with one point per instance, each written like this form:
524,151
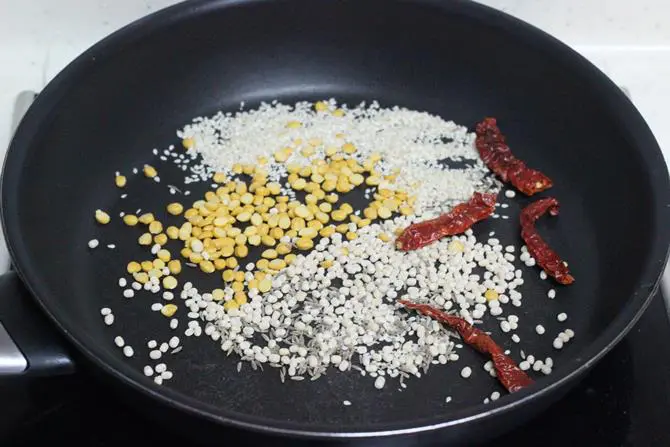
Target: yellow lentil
102,217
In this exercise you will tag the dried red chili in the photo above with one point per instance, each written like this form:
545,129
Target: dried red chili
497,155
460,218
545,257
509,374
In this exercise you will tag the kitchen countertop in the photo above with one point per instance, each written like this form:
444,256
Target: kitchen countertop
627,40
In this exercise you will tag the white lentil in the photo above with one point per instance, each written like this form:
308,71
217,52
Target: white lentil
93,243
551,294
155,354
539,329
466,372
510,194
122,282
174,342
160,368
128,293
303,311
379,382
558,343
109,319
148,371
562,317
105,311
119,341
128,351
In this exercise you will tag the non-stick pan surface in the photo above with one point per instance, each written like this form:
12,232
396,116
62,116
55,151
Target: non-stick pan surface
130,93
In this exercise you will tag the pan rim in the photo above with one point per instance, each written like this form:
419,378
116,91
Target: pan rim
648,282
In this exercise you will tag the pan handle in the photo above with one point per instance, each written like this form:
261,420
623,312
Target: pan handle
29,344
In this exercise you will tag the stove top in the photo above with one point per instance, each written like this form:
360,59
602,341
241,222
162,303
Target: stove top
624,401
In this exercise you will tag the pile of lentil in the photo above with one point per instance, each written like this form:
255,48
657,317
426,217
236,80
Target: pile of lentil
323,289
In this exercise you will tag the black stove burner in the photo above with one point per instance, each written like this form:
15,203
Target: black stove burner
625,401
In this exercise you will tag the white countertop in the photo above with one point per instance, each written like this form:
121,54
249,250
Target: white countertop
629,41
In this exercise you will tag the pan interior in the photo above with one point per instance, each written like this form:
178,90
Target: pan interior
460,62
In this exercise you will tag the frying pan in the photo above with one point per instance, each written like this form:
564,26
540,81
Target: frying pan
462,61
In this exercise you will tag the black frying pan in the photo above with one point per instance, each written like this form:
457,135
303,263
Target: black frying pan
128,94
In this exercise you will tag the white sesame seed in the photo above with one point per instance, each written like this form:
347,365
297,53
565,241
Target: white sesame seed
562,317
543,274
510,194
551,294
119,341
516,338
93,243
539,329
156,307
128,351
346,403
466,372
